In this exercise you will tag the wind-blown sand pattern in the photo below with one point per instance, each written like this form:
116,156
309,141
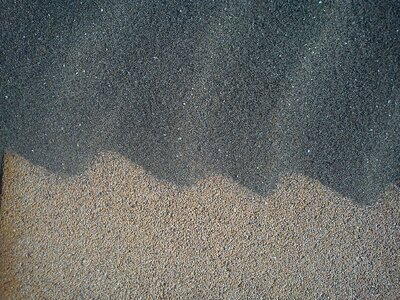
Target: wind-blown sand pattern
118,232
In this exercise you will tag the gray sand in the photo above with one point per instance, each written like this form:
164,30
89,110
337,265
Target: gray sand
117,232
250,90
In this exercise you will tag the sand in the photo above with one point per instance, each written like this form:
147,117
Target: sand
117,232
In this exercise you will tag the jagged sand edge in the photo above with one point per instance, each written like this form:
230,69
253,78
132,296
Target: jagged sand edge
112,162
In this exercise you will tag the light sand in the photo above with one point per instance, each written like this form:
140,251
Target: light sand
117,232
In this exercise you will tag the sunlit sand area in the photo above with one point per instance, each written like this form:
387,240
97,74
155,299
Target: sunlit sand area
117,231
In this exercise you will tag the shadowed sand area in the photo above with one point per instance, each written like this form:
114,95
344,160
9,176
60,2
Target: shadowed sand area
249,90
117,231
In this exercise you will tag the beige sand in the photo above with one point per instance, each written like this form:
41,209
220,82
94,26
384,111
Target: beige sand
117,232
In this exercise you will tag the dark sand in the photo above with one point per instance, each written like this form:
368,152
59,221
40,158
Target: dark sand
117,232
250,90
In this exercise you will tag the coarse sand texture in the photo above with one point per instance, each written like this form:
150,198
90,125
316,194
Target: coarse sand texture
117,232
